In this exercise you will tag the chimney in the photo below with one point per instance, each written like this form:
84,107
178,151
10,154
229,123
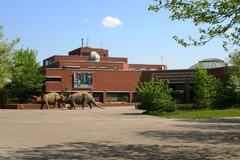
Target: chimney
82,42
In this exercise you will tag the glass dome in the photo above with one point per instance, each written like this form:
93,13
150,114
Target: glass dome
209,63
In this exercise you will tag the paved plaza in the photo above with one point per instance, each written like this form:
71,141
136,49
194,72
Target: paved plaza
114,133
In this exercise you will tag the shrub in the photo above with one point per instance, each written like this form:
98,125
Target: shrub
226,98
125,99
187,107
234,79
3,96
155,95
205,87
229,96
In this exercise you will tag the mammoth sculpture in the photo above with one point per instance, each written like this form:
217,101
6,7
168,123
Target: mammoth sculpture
83,98
51,98
35,99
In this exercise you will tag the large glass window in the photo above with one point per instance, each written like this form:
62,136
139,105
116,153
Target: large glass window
82,80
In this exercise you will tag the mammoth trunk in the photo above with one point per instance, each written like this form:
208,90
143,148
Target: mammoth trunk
93,102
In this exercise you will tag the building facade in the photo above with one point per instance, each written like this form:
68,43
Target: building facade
111,79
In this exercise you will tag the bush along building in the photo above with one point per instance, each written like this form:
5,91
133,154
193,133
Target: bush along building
113,79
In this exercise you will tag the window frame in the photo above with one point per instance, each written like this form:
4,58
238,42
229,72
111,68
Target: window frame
87,80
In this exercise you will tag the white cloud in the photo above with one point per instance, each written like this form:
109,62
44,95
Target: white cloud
111,22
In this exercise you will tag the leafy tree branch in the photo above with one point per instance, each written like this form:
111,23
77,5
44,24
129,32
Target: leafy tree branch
221,18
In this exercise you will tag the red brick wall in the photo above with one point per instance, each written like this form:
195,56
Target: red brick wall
222,73
85,58
147,67
53,86
125,66
85,65
114,59
116,80
81,58
102,80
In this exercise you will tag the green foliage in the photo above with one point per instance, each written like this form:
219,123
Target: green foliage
187,107
217,18
229,95
205,87
6,50
26,75
234,79
125,99
155,95
234,84
235,60
3,96
224,98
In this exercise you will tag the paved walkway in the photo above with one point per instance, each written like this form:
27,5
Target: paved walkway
113,133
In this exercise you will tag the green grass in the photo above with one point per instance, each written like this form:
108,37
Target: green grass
201,114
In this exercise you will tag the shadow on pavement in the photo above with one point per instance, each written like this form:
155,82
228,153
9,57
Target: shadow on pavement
199,137
84,150
222,127
230,127
214,120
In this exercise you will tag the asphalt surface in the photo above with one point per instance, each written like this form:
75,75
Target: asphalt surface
114,133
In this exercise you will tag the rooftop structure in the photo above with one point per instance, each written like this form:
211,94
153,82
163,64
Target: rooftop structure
209,63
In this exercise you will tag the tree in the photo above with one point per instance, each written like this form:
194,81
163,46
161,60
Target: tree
125,99
234,79
205,87
155,95
26,74
6,50
216,18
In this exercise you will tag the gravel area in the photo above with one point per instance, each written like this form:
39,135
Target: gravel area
114,133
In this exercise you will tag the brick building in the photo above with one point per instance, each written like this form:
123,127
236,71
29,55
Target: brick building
111,78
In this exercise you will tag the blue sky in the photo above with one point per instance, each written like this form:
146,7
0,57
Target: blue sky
56,26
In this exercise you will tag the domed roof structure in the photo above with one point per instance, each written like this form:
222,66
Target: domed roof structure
209,63
94,56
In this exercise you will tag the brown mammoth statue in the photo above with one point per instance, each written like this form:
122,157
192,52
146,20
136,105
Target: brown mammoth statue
51,98
83,98
35,99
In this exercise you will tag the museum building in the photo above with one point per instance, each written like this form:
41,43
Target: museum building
110,79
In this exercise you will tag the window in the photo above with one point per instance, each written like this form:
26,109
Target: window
116,97
48,62
71,67
82,80
53,78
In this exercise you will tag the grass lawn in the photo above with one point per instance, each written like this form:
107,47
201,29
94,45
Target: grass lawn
202,114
